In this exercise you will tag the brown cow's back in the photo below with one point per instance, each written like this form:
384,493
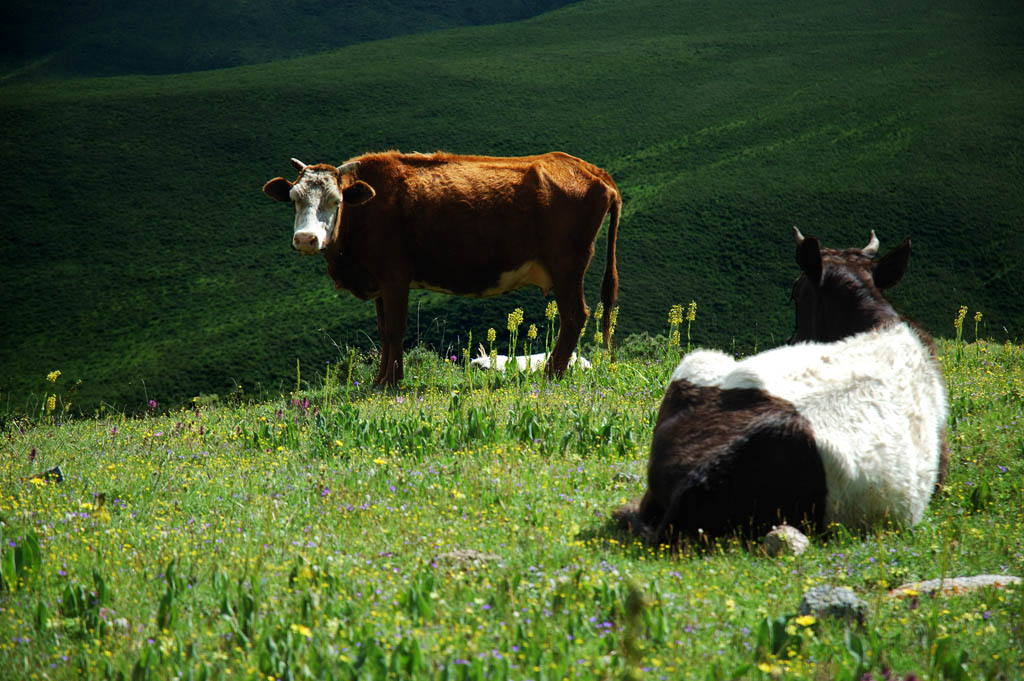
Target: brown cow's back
477,225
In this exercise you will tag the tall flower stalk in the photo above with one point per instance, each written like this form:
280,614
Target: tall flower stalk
958,324
691,314
675,318
550,313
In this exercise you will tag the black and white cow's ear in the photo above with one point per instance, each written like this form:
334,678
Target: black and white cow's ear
278,189
808,256
890,268
357,193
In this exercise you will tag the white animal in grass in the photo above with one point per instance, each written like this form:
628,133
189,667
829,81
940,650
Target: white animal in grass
523,362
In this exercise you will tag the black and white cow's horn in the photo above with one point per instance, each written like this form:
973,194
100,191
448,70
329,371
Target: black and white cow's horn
872,246
347,168
299,165
798,236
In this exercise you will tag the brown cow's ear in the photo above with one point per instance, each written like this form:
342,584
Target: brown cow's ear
358,193
808,256
278,189
890,269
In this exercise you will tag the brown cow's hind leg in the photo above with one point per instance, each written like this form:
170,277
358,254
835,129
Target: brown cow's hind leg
572,308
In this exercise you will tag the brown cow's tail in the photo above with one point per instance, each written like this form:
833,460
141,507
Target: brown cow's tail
610,285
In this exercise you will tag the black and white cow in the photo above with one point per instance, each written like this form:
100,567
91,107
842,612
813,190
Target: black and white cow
845,424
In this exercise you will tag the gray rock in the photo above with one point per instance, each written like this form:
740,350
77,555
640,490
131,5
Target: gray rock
952,586
783,540
833,601
463,558
628,477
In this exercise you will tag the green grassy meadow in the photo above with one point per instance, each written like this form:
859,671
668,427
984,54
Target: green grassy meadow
139,256
458,528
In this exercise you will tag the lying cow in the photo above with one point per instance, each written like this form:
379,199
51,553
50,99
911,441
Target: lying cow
523,362
845,424
465,225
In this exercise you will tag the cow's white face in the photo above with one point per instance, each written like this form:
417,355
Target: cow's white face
318,198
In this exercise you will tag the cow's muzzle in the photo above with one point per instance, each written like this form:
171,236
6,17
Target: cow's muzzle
306,243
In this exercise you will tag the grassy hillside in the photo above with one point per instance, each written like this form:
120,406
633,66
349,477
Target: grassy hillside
140,257
51,38
342,533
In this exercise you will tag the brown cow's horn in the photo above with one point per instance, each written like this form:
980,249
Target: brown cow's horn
347,168
299,165
798,236
872,246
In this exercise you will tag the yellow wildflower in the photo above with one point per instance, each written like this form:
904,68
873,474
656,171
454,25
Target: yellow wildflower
302,630
675,315
959,321
691,311
551,311
491,335
53,376
531,333
805,620
515,318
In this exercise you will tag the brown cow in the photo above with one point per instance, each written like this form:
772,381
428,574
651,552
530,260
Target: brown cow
465,225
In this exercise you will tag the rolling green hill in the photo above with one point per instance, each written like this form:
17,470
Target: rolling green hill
48,38
139,255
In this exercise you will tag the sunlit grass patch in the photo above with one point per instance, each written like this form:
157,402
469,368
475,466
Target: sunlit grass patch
457,528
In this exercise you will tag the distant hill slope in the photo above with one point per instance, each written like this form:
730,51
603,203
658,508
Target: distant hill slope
139,255
102,38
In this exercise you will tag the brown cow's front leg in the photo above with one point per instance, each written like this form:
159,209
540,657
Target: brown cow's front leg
384,348
394,303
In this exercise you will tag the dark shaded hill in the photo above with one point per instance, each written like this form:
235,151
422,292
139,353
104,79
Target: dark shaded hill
103,38
139,255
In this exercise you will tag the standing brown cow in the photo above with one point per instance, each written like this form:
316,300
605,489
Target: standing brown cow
465,225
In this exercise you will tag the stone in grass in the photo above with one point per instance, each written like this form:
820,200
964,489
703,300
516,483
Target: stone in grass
952,586
833,601
784,539
460,559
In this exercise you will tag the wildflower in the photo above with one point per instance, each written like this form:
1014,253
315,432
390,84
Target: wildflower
613,319
977,319
51,403
675,315
491,335
515,318
959,321
53,376
152,405
805,620
531,333
598,314
302,630
673,338
691,311
551,311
